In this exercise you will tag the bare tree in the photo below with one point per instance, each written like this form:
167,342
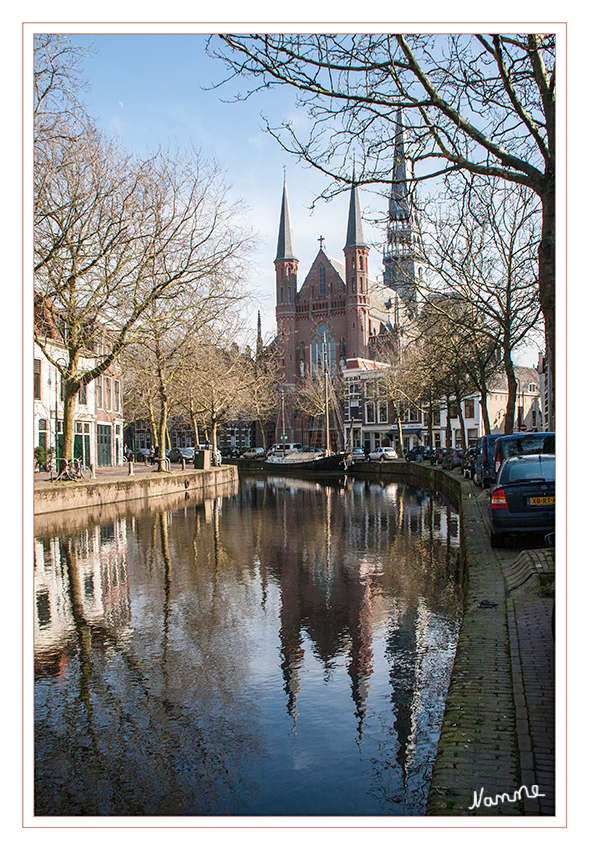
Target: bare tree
113,237
482,103
58,81
483,250
217,383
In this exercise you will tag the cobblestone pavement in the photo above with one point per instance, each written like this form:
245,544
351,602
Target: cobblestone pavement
498,729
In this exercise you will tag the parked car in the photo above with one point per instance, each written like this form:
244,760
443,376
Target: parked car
436,456
254,453
176,455
483,472
467,464
523,497
229,451
522,444
143,454
384,453
418,454
452,458
358,454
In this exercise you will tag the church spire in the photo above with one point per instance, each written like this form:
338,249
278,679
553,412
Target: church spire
355,235
403,258
285,249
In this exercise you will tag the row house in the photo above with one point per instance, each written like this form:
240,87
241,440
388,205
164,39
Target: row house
98,415
371,422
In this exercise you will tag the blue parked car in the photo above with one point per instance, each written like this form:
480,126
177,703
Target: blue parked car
536,442
522,499
483,472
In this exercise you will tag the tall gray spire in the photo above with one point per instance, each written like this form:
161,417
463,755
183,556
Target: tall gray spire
355,236
400,202
285,249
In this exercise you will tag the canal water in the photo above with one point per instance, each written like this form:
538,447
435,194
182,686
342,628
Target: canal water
283,650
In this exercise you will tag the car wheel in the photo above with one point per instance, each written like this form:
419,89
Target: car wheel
496,540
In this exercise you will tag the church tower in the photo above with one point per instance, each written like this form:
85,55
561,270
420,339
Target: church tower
286,265
403,259
357,296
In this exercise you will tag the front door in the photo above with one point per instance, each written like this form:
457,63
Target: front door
104,445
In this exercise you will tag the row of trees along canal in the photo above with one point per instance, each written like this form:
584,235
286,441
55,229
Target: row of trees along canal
135,258
145,259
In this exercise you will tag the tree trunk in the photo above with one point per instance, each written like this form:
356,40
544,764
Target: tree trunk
69,413
400,430
461,420
511,395
484,402
448,423
547,275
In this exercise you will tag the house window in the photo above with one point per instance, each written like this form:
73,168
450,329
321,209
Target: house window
108,393
383,411
42,441
99,392
83,395
37,379
370,417
117,396
469,408
533,388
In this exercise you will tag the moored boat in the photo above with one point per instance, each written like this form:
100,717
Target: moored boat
308,462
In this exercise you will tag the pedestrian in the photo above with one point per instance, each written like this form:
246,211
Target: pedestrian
151,455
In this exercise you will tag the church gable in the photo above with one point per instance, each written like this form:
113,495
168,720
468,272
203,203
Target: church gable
323,280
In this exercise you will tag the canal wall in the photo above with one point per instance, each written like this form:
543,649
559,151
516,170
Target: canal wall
51,497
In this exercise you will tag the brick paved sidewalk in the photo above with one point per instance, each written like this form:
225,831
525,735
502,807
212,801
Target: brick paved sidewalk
498,728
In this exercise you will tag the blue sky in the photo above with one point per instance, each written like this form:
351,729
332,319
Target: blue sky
152,89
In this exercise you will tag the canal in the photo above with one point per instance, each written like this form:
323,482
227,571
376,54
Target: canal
283,650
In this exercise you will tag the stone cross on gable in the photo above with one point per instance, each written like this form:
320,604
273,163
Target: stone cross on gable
321,240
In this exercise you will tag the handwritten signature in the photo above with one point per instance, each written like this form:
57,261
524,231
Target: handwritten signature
504,798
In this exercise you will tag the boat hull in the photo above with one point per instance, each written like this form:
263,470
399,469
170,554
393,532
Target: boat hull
327,463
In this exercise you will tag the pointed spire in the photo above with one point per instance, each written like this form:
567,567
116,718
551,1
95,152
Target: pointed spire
259,341
355,236
285,249
400,202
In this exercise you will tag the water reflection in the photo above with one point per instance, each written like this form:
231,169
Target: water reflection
285,650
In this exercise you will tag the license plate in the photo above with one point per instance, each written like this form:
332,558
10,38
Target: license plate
541,500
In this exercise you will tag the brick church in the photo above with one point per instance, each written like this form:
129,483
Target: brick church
338,303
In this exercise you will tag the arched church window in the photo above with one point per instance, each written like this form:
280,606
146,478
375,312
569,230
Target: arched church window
323,344
321,279
282,294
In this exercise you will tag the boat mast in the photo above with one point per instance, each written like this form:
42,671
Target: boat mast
325,364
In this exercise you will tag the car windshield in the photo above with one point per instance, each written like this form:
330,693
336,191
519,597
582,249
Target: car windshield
534,469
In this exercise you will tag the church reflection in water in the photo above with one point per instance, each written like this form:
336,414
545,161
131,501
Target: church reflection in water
285,650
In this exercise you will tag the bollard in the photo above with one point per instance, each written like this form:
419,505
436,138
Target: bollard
131,468
183,462
92,471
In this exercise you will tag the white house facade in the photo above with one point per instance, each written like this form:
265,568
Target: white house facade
370,421
98,415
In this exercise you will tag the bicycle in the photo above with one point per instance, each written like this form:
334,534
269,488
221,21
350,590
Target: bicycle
72,470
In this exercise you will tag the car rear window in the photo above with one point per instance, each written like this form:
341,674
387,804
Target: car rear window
526,470
528,445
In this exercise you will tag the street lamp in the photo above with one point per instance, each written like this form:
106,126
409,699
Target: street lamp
62,361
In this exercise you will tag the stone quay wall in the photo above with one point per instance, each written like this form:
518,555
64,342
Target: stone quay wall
76,495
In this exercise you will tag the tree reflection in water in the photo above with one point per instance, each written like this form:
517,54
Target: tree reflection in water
282,651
